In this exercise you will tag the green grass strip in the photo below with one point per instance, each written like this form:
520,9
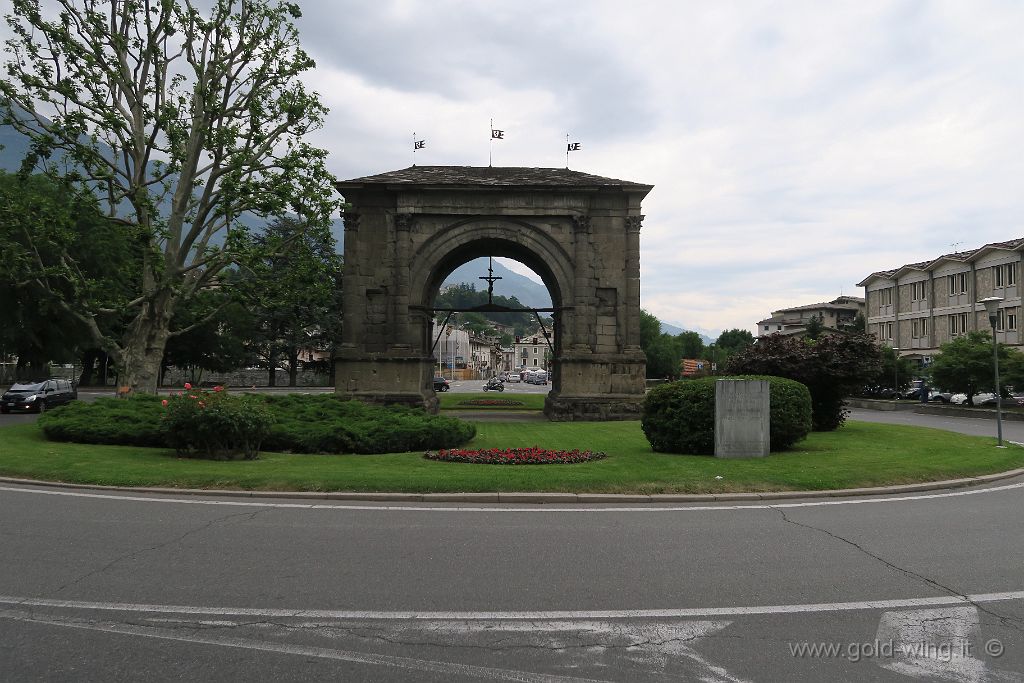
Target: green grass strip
859,454
450,401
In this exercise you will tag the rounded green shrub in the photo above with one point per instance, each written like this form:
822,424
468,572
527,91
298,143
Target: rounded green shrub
679,417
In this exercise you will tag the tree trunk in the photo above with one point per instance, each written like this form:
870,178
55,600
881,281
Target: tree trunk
272,377
331,367
89,358
293,368
144,346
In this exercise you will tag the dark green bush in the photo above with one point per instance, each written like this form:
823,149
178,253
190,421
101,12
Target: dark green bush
832,367
324,424
679,417
130,422
304,424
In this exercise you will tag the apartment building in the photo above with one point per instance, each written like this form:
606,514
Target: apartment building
839,312
920,306
533,352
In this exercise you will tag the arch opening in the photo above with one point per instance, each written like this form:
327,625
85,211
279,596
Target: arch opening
518,346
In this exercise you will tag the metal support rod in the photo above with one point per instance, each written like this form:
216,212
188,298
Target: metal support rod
441,331
999,396
543,329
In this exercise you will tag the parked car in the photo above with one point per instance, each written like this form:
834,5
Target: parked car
513,377
911,394
38,396
441,384
537,377
940,396
961,399
1012,402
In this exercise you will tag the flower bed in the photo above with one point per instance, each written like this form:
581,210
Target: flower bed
490,402
513,456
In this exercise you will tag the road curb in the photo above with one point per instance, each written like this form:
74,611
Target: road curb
539,497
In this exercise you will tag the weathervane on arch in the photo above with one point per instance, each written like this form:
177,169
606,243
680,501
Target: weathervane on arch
416,144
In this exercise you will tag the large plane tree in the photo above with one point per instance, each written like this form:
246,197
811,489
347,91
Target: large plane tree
185,123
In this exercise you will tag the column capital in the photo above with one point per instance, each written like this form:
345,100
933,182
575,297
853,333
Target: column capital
351,219
633,223
403,221
581,224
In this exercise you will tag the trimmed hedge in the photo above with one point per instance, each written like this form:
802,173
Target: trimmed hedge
125,422
679,417
317,423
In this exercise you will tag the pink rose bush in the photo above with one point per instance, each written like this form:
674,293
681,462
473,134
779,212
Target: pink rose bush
215,425
513,456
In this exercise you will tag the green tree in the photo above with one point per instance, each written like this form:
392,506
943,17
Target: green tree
728,343
291,292
41,220
815,326
187,124
859,324
832,367
465,295
218,344
964,365
895,369
664,351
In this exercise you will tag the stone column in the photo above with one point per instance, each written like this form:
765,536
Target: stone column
581,264
633,281
400,302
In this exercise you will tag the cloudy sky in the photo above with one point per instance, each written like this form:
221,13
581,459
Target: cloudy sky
794,147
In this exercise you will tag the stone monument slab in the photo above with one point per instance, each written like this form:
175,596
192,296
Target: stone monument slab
742,418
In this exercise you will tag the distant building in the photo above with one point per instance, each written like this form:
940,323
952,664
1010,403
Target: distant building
920,306
793,321
533,352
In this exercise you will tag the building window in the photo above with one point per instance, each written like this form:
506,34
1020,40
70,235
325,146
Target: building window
917,290
957,283
885,296
1007,319
957,324
1004,275
765,328
919,328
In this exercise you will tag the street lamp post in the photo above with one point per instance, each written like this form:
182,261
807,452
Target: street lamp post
992,308
896,370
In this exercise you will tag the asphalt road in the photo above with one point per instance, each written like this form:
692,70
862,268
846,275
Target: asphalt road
118,587
114,586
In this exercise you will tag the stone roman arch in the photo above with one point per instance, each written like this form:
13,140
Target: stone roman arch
406,231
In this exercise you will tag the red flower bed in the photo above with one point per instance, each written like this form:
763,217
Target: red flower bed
490,402
513,456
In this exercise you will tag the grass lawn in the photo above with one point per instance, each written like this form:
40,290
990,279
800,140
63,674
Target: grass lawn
450,401
859,454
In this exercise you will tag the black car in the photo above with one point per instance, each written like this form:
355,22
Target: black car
441,384
38,396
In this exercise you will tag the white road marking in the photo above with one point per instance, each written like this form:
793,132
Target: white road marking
687,612
450,668
548,508
933,643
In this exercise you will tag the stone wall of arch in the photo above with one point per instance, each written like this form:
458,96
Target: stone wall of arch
400,244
